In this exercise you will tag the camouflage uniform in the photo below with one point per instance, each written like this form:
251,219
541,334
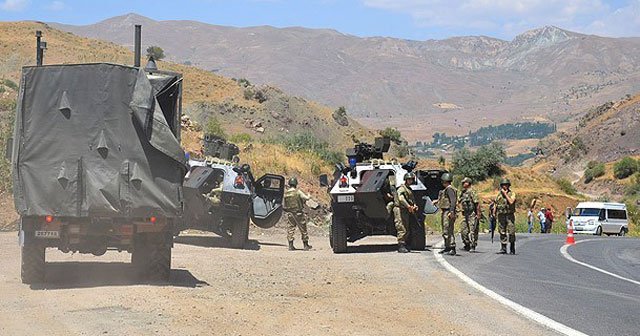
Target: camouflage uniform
393,206
506,218
214,196
293,205
447,199
469,201
406,200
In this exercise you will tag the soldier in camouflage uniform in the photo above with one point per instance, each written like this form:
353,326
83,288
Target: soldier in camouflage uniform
407,207
447,201
391,196
470,206
293,204
505,210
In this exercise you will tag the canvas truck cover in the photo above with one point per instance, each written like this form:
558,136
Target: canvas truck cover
98,140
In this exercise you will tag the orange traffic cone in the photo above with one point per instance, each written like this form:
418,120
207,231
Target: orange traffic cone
570,239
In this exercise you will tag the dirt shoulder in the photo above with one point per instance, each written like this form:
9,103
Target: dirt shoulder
263,291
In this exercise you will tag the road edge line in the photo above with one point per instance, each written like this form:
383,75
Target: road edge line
522,310
565,253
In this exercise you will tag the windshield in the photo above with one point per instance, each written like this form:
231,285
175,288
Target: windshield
586,212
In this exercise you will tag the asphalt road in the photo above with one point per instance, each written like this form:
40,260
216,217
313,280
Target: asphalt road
541,279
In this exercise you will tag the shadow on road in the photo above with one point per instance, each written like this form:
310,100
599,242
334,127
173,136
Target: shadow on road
374,248
215,241
68,275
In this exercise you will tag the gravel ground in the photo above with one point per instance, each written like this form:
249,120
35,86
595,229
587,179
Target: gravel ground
265,290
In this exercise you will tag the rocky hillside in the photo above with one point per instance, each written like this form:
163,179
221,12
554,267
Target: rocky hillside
543,74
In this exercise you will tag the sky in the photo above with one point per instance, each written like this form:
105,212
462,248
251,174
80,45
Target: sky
408,19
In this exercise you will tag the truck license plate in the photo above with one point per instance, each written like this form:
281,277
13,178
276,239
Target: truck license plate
345,199
47,234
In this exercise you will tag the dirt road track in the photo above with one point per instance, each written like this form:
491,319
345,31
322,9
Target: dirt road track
263,291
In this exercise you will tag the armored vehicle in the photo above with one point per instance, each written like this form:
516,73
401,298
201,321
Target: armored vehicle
359,196
222,196
97,163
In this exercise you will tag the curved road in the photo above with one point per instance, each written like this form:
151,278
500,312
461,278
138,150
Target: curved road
541,279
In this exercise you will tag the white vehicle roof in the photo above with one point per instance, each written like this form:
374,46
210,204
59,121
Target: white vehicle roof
601,205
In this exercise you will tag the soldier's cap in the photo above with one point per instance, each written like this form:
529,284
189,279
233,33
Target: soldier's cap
409,176
446,177
467,180
505,181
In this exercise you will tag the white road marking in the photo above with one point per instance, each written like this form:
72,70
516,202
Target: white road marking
565,253
524,311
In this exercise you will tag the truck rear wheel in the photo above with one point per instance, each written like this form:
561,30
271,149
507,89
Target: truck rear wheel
32,268
417,238
239,232
338,239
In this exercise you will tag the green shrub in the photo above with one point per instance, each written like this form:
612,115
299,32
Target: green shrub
10,84
633,189
156,52
308,143
7,104
215,128
594,169
566,186
625,168
241,138
315,169
481,164
393,134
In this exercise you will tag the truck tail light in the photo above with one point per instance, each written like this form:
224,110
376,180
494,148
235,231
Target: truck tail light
153,219
48,219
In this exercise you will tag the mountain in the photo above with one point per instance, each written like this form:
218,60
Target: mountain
543,74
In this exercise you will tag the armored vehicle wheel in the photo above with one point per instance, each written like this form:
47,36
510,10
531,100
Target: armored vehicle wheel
417,238
239,232
33,263
338,239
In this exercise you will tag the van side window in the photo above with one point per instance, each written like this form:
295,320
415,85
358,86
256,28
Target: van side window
601,215
616,214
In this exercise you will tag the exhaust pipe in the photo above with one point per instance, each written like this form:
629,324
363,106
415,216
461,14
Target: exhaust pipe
40,46
137,46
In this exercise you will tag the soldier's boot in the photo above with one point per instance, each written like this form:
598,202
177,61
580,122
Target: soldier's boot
446,249
503,249
291,247
473,249
512,248
402,248
307,247
452,252
467,247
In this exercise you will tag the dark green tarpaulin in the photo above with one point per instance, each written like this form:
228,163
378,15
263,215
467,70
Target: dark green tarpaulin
97,140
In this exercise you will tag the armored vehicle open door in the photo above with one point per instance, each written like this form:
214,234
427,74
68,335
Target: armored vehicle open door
267,202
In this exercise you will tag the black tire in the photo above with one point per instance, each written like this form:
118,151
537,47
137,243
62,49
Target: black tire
32,269
338,239
599,231
239,232
622,233
417,237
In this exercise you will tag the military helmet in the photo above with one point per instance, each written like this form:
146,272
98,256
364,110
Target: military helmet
293,182
505,181
409,176
446,177
467,180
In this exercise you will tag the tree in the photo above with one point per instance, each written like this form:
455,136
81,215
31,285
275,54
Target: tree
156,52
215,128
594,169
481,164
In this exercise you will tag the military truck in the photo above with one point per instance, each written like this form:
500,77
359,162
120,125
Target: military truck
238,198
97,163
358,200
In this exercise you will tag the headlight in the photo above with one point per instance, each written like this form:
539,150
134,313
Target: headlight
591,222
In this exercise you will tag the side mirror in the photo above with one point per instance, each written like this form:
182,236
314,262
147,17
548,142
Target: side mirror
8,153
324,180
429,208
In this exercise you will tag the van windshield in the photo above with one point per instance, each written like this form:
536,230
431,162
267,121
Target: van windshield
586,212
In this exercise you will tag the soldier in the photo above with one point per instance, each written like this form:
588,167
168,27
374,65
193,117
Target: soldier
470,206
215,194
447,201
407,208
293,204
505,210
391,196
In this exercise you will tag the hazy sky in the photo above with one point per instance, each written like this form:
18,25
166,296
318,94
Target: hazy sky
411,19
